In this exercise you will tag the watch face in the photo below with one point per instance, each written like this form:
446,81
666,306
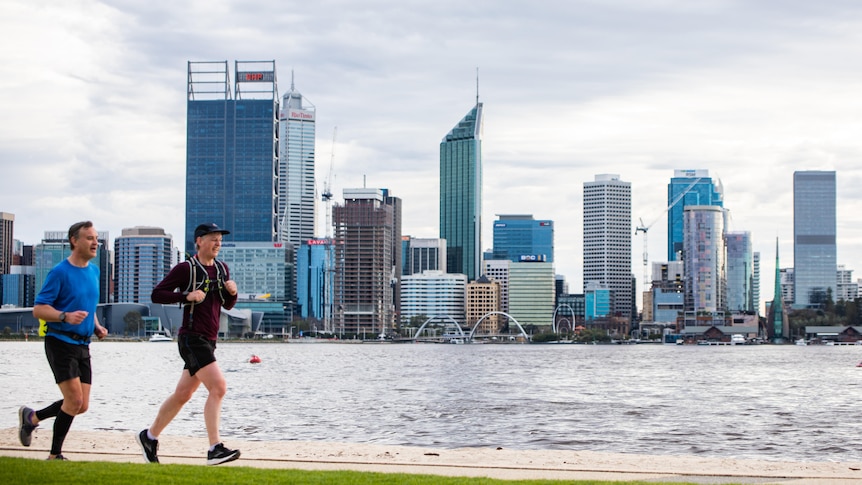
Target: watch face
62,316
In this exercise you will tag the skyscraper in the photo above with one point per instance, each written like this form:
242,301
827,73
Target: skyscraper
815,261
740,272
517,236
7,222
296,168
142,258
461,194
704,263
688,187
366,244
608,239
231,150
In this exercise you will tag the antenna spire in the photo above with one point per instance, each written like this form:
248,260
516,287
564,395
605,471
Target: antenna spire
477,85
291,80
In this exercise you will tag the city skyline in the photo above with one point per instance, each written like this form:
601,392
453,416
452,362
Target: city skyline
96,129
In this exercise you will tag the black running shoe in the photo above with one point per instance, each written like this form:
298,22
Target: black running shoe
25,428
149,447
220,455
58,458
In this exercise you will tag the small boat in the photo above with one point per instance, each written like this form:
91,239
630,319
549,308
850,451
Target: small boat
737,339
801,342
160,337
254,360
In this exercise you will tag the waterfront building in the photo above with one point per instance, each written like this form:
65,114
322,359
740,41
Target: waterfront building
19,286
847,289
263,272
433,293
296,209
367,246
597,301
667,295
142,258
531,293
686,188
704,265
814,234
422,254
314,267
7,225
461,194
740,272
786,278
755,285
231,150
55,248
482,299
497,270
608,239
517,237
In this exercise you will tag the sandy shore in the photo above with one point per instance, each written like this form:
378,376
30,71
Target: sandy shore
497,463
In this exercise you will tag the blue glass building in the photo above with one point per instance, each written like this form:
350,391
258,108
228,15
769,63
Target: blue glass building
814,231
740,272
312,274
142,258
688,187
231,150
461,195
517,236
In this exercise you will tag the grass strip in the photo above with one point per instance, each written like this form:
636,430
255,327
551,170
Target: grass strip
29,471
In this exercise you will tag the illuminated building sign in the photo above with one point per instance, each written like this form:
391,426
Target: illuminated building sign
530,258
255,77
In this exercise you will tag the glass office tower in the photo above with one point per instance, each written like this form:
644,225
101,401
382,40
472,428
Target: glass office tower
516,236
814,231
142,258
688,187
231,150
461,195
740,272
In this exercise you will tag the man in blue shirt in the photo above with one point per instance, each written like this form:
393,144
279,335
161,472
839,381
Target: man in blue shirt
67,302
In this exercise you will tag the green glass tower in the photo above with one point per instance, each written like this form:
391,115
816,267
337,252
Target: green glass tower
461,195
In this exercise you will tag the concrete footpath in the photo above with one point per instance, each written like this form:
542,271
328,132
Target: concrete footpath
82,445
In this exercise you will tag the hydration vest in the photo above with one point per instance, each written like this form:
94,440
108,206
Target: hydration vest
199,278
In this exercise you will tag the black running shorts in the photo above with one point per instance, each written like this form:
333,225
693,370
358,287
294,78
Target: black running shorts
68,361
197,352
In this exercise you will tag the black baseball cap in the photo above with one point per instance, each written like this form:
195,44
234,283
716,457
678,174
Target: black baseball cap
209,228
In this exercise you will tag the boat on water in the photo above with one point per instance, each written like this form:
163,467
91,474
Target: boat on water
801,342
160,337
737,339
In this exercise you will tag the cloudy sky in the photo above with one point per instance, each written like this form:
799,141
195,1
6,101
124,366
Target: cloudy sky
92,96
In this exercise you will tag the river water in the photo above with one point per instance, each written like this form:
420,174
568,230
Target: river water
766,402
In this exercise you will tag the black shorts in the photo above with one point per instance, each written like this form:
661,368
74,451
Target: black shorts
68,361
197,352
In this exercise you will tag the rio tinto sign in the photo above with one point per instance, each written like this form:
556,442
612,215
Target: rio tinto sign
297,114
255,77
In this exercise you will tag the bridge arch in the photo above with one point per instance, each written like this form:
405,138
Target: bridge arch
473,330
447,317
554,318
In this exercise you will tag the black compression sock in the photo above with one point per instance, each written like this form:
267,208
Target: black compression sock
61,428
50,411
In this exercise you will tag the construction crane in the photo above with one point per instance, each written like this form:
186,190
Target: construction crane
326,196
645,228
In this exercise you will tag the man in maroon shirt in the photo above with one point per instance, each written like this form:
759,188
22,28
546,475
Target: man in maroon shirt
203,286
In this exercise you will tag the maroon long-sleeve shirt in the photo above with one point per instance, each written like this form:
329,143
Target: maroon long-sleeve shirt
204,320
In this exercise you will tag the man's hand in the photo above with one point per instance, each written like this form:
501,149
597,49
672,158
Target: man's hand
230,286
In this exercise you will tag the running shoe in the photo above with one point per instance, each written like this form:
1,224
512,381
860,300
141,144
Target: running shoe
25,428
58,458
220,455
150,448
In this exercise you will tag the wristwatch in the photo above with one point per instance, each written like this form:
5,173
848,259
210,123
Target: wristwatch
62,316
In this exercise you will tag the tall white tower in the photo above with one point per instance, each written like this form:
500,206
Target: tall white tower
296,168
608,239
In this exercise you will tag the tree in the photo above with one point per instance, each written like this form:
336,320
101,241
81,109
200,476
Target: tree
134,322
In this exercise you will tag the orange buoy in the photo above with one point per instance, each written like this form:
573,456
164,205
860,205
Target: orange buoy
254,360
